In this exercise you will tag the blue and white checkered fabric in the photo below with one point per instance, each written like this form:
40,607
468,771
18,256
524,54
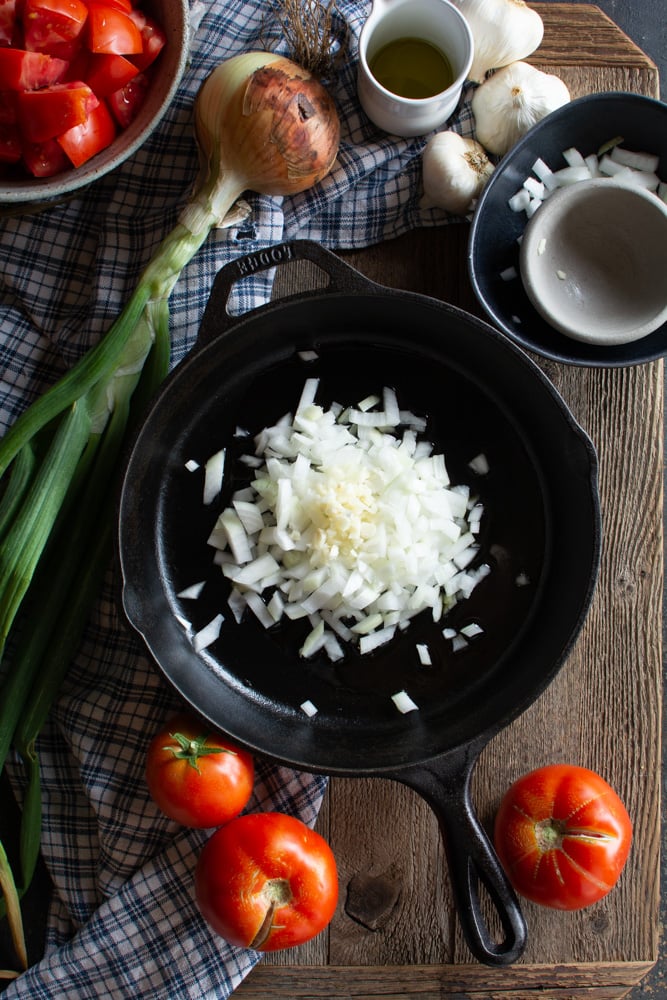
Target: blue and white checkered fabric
124,922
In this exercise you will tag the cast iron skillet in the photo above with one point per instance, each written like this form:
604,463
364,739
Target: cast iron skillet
480,395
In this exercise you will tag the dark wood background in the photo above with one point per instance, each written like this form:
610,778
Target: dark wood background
645,22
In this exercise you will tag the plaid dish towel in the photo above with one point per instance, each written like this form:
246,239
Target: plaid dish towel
123,920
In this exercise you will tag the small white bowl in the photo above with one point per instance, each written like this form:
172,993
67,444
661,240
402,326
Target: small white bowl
593,262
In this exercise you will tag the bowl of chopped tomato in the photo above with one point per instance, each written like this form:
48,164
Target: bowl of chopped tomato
83,83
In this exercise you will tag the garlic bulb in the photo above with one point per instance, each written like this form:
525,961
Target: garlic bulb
511,101
503,32
454,172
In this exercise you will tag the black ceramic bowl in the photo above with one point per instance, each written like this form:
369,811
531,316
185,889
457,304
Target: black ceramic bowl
586,123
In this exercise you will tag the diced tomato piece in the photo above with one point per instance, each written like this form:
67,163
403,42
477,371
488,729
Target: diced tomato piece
153,37
8,22
10,144
44,159
125,103
120,5
107,73
22,70
85,140
54,26
46,113
8,112
112,30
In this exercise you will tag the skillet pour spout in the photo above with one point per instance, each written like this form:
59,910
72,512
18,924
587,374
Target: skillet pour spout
479,394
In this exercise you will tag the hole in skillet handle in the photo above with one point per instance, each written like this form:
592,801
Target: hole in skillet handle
444,783
342,279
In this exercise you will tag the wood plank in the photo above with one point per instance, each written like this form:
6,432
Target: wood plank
590,53
582,35
410,943
425,982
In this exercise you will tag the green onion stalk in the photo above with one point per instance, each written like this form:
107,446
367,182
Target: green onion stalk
263,124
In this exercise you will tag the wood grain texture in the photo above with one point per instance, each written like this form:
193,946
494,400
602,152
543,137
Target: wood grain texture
602,711
584,37
429,982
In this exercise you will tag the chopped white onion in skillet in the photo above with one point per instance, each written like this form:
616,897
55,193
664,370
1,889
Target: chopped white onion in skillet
214,471
404,702
237,604
259,609
207,635
314,641
350,521
424,654
480,465
332,647
369,642
192,592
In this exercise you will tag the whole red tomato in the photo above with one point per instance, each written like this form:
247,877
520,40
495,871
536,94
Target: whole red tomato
266,881
197,776
563,836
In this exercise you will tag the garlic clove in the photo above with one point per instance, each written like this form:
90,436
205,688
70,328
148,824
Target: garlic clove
503,31
454,172
511,101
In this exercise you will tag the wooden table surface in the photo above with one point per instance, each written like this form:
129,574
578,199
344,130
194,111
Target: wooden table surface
602,711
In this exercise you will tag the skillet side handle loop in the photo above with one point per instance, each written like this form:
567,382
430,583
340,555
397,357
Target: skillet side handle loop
445,784
342,278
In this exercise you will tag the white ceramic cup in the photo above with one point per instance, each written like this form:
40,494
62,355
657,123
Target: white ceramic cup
436,21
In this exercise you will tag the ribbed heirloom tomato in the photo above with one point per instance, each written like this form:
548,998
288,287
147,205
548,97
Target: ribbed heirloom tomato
196,775
563,836
266,881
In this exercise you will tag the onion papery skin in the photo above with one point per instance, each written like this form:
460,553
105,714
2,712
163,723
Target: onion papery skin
267,121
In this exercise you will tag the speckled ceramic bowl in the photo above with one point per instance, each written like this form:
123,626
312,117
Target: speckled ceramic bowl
32,195
593,261
586,123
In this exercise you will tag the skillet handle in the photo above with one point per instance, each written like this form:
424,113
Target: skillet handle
342,278
445,784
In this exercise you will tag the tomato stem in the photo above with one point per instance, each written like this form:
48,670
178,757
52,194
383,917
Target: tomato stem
549,834
192,748
277,892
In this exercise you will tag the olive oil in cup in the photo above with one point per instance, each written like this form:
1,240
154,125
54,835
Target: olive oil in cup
412,67
414,57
